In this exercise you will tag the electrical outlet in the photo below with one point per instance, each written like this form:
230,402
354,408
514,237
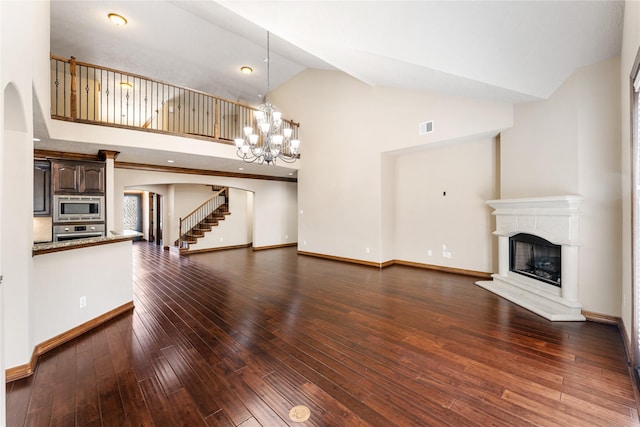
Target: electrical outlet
367,250
429,253
286,236
83,302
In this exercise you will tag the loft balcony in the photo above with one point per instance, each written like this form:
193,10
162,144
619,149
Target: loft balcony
93,94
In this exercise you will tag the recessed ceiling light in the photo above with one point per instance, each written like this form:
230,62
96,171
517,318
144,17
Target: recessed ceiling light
240,169
117,20
36,139
246,70
290,173
170,161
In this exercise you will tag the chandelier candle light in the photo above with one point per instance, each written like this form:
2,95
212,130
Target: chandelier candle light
271,141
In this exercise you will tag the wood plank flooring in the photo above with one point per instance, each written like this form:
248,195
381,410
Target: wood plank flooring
238,338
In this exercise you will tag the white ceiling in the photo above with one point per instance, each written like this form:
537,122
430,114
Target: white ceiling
507,50
511,51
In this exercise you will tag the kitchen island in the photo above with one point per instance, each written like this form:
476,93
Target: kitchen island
77,286
112,237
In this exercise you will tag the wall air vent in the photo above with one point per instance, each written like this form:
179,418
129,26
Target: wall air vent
425,127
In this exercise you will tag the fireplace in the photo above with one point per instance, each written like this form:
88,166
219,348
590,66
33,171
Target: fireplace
538,241
535,257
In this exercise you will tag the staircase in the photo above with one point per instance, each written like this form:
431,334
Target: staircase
202,219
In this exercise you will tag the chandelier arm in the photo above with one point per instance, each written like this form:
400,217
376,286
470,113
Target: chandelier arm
245,158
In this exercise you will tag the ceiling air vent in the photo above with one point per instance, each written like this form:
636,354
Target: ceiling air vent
425,127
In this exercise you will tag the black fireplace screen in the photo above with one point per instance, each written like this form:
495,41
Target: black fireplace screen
535,257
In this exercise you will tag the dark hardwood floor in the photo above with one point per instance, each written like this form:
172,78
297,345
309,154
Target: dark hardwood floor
238,338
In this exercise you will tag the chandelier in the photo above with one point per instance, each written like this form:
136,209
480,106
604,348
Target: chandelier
272,138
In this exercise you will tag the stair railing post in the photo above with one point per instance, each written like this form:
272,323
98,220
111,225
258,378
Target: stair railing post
180,236
74,97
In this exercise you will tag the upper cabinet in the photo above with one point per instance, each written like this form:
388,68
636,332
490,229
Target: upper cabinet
74,177
41,188
66,177
92,178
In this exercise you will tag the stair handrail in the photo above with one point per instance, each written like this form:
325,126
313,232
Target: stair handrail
197,215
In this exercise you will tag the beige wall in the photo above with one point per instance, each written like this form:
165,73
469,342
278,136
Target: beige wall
347,130
59,282
569,144
426,218
599,181
539,154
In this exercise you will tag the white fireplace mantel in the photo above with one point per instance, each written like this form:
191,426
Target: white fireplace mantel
556,219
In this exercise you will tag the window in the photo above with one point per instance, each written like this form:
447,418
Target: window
635,213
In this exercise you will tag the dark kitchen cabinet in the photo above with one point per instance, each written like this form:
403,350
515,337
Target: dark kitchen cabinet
92,178
41,188
71,177
66,177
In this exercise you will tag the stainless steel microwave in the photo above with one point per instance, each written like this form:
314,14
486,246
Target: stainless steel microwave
78,208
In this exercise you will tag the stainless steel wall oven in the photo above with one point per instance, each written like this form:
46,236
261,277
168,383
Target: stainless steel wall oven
62,233
78,208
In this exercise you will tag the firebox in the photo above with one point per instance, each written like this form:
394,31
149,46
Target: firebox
535,257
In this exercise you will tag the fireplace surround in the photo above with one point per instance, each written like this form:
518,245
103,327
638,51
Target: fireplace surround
556,221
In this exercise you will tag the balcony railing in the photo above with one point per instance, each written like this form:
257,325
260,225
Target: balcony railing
94,94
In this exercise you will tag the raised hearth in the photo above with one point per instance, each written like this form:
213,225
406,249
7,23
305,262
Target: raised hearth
555,219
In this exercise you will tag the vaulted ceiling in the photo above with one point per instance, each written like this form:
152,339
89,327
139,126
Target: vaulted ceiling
510,51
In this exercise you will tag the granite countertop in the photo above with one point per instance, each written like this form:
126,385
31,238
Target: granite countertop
112,237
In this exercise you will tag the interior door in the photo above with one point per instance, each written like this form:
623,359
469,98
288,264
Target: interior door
151,218
158,221
132,215
635,215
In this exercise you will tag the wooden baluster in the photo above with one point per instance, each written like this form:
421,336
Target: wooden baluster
216,125
74,99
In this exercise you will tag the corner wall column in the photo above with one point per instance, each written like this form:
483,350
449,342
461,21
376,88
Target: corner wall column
109,159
